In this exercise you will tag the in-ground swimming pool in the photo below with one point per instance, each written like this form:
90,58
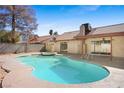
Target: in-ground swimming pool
63,70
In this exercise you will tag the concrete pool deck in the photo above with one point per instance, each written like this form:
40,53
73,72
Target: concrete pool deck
20,76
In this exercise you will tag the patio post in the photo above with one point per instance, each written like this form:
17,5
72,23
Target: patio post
111,47
82,52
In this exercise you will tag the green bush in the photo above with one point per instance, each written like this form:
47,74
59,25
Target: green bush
43,49
6,37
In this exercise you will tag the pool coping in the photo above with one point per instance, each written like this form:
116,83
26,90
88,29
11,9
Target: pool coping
21,74
103,67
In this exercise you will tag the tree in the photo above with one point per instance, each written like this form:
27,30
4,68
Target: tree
51,32
18,19
5,37
55,33
2,34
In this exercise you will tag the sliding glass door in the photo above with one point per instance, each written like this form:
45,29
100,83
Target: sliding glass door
101,47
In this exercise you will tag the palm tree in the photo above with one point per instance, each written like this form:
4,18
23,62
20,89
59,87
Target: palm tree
51,32
55,33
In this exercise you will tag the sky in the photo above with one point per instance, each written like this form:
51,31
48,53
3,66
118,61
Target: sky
65,18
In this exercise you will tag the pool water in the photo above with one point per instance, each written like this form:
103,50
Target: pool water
63,70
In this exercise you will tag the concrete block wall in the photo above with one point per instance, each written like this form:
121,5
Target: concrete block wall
19,48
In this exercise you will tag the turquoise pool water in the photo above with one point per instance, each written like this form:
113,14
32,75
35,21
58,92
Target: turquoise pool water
63,70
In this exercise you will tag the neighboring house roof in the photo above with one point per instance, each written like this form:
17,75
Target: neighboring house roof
67,36
41,39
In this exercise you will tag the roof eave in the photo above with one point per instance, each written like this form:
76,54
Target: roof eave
101,35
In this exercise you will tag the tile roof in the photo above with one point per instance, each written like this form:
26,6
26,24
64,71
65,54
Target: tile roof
41,39
95,31
67,35
108,29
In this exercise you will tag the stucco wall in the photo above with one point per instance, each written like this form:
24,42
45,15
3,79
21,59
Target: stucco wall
118,46
74,46
50,46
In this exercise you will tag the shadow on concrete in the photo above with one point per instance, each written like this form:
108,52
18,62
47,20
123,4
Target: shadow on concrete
102,60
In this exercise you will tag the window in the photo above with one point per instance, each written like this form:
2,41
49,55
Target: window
63,47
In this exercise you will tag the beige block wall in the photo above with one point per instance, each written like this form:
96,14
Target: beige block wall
118,46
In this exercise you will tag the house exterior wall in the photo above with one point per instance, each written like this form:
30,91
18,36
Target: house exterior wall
117,45
50,46
73,46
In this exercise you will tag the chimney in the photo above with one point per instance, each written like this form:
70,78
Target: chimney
85,29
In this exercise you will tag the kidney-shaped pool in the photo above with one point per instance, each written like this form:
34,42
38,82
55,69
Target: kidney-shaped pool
63,70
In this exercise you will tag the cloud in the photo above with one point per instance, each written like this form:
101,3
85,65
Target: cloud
90,7
78,10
